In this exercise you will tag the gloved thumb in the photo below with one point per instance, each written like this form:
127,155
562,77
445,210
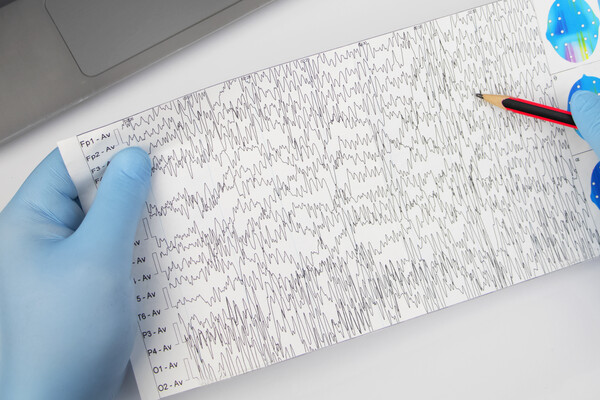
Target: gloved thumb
585,107
112,220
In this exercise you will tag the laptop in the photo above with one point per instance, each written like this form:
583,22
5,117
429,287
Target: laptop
55,53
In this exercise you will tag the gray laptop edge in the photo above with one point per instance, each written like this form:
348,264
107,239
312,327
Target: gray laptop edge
55,53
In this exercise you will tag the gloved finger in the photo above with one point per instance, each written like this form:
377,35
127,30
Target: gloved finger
112,220
48,195
585,107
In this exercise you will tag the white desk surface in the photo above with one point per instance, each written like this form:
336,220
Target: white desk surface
537,340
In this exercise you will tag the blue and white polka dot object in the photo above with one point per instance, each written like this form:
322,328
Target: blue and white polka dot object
572,29
596,185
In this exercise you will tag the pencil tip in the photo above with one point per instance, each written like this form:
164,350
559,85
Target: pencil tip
479,95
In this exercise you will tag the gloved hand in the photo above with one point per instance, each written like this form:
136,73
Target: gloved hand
67,309
585,107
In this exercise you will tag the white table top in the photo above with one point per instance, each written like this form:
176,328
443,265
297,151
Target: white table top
537,340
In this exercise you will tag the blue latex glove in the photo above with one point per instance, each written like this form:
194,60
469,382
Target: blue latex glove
67,309
585,106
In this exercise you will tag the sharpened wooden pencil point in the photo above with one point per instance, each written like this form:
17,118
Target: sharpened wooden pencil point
479,95
494,99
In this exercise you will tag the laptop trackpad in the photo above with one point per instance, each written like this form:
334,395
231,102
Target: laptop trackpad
103,33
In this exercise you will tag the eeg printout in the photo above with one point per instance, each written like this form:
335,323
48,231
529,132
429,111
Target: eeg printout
322,199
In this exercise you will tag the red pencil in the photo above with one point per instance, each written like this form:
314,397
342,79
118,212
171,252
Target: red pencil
530,109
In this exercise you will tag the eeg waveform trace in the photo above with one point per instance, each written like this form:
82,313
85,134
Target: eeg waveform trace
321,199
